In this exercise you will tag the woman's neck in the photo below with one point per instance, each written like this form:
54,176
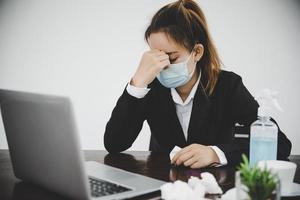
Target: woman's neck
185,90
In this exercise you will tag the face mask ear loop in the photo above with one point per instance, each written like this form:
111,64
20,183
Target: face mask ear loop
191,74
187,62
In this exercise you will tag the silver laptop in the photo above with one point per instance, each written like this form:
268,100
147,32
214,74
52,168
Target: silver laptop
44,148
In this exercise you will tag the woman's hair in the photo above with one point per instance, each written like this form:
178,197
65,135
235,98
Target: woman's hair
185,23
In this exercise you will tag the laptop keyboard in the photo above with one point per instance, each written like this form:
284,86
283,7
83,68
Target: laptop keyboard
101,188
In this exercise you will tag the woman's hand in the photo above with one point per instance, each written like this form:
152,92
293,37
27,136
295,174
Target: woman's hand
151,64
196,156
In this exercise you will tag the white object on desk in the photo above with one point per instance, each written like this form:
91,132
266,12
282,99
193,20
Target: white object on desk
174,151
286,172
195,189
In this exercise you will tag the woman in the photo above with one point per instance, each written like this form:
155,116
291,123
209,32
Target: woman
187,100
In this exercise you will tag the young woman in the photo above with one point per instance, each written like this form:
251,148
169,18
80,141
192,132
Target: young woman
187,100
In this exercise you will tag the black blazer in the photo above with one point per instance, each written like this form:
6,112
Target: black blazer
212,122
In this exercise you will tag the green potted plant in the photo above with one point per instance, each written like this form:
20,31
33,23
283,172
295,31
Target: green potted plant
256,183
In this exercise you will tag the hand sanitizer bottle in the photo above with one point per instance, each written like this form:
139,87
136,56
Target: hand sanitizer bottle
264,132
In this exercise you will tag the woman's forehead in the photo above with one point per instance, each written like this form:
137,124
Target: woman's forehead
162,42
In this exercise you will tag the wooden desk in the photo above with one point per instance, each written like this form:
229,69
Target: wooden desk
154,165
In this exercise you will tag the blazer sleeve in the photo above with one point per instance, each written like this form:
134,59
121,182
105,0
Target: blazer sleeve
244,111
125,123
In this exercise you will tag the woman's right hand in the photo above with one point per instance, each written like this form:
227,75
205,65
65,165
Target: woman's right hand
151,64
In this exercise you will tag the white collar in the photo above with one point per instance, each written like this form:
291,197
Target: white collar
177,99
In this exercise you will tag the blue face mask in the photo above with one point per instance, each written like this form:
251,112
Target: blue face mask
175,75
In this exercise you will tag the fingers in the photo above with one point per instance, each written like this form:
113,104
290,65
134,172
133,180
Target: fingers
160,58
194,156
197,165
181,152
190,161
151,63
184,157
163,57
157,52
165,63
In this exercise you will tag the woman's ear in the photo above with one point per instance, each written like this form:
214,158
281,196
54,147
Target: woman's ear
199,50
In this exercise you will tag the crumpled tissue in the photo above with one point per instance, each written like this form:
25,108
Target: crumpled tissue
195,189
209,182
180,190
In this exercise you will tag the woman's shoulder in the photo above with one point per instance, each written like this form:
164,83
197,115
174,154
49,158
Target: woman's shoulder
228,81
229,75
229,78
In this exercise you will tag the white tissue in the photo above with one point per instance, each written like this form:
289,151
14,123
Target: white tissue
210,183
174,151
195,184
195,189
230,195
178,190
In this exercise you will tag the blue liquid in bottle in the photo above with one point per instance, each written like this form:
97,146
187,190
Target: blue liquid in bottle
263,140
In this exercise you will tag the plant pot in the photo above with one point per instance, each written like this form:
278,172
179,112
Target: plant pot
256,192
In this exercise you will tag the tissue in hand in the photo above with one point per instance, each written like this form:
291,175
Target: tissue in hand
174,151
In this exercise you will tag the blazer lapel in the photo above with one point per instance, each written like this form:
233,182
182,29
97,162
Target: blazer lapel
200,109
168,106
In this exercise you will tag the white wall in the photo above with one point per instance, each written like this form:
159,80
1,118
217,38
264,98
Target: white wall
88,50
